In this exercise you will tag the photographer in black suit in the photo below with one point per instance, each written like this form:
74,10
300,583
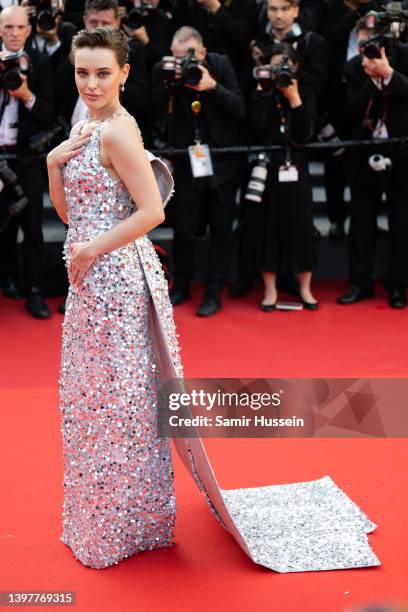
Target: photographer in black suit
208,200
377,106
25,111
282,26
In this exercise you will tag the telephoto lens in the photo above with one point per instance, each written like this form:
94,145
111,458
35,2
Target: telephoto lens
257,182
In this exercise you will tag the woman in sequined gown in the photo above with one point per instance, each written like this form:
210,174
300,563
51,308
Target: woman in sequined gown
118,477
119,345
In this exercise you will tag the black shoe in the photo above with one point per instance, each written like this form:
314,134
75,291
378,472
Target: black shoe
309,305
336,230
179,294
356,294
397,298
267,307
36,305
209,306
242,286
10,288
61,307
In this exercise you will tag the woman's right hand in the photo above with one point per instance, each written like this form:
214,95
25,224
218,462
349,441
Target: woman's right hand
68,149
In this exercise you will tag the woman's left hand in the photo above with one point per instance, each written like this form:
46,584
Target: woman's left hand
80,262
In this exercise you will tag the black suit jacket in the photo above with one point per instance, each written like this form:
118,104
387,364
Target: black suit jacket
40,82
361,91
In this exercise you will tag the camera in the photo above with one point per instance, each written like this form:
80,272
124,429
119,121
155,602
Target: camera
16,201
11,68
46,14
136,16
190,73
280,75
257,182
387,27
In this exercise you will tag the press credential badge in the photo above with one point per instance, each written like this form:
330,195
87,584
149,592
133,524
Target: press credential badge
200,160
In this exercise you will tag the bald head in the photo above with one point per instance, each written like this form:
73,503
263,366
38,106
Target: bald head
14,27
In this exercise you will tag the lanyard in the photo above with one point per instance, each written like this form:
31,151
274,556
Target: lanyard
370,124
196,109
284,128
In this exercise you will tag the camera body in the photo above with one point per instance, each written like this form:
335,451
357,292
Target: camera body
136,16
11,68
46,14
280,75
190,73
387,27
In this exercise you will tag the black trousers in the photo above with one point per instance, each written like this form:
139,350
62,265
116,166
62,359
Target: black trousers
196,205
363,236
334,184
30,177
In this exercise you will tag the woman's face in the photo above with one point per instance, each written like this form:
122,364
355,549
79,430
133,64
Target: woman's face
98,76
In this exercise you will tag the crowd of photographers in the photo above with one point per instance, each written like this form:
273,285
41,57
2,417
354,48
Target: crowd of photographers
213,74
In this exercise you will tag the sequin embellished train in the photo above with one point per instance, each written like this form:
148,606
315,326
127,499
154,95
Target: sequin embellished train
119,344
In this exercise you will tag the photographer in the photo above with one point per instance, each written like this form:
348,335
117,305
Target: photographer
227,26
311,48
205,83
135,97
276,233
339,30
49,33
377,107
148,24
25,111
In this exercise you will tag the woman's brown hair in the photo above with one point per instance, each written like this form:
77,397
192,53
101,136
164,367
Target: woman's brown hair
104,38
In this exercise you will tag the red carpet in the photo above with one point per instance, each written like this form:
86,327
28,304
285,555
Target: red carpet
205,569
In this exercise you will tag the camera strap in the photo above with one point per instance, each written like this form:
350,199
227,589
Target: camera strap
371,124
196,110
284,128
288,172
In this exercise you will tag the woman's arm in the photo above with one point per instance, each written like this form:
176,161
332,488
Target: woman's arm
56,187
127,156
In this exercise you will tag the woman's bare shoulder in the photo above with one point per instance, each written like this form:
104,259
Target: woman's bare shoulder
122,128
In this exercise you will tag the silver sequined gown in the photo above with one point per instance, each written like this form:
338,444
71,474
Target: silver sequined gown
118,347
118,477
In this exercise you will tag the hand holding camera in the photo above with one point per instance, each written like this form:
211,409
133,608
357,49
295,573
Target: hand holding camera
206,83
291,93
14,68
211,6
377,68
23,92
139,34
187,71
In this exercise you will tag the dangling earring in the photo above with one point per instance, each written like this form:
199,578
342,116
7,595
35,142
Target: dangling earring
122,86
